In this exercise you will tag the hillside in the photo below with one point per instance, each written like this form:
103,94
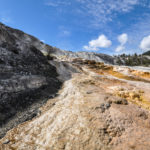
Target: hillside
27,80
147,53
53,99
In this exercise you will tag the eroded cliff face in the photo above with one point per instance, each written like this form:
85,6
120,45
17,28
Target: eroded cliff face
100,107
27,79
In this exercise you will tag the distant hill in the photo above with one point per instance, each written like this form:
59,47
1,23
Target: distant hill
147,53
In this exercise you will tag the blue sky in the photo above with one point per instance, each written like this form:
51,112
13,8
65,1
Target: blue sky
105,26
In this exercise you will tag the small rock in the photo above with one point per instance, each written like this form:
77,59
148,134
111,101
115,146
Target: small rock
143,115
102,107
6,142
107,105
121,101
89,92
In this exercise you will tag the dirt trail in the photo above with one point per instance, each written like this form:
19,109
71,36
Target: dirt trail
88,114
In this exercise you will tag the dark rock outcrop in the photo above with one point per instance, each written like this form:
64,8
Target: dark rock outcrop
27,79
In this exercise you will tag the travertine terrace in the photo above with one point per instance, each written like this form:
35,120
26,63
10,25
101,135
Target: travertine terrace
101,107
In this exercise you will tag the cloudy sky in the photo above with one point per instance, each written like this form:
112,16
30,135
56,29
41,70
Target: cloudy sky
105,26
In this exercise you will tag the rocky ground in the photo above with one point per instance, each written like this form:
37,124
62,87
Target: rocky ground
101,107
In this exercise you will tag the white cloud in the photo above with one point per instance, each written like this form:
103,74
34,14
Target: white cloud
120,48
43,41
5,17
5,20
65,33
99,11
55,3
145,43
105,10
90,48
137,30
100,42
123,38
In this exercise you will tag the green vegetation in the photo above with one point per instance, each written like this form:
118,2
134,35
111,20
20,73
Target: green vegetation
147,53
133,60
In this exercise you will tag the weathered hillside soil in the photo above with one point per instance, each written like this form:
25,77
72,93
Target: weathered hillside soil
101,108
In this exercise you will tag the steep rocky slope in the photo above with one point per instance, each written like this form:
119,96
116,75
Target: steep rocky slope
27,79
